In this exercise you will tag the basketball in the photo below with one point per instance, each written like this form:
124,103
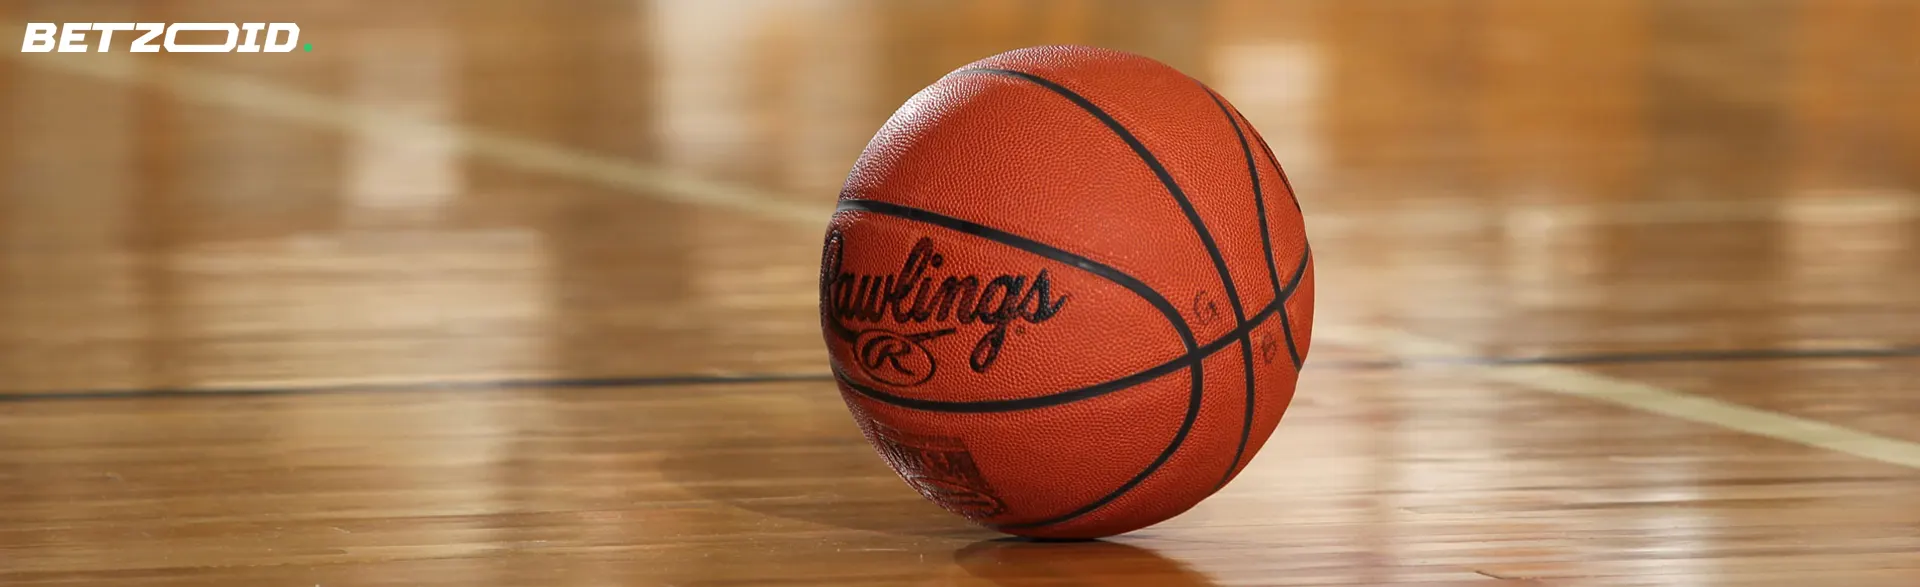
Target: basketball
1067,292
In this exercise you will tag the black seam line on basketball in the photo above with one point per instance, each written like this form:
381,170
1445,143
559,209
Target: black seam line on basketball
1259,198
483,385
1104,271
1159,171
1293,285
1275,161
1273,279
1286,295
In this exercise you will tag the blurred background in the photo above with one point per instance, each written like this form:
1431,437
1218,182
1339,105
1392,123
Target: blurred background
1577,152
528,193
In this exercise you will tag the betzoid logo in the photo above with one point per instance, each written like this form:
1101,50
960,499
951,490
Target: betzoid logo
156,37
889,319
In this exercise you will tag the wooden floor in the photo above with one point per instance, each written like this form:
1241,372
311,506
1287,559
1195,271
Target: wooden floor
490,292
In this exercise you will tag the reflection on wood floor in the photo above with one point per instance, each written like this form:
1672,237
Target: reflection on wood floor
494,292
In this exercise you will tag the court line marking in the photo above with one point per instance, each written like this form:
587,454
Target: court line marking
502,383
247,94
530,383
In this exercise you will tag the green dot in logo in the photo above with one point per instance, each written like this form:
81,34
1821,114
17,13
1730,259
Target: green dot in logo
307,47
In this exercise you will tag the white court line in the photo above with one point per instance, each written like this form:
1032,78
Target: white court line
1640,396
260,98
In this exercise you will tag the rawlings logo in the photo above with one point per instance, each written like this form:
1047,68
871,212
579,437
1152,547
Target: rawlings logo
932,306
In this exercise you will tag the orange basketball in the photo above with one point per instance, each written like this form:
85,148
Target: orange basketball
1067,292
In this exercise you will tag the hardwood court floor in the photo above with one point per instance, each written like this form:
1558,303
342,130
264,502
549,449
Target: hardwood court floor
479,292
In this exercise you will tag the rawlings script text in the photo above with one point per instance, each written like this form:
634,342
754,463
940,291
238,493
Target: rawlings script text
916,296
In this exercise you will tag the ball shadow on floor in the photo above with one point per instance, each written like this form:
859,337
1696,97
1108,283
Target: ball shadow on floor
1019,561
